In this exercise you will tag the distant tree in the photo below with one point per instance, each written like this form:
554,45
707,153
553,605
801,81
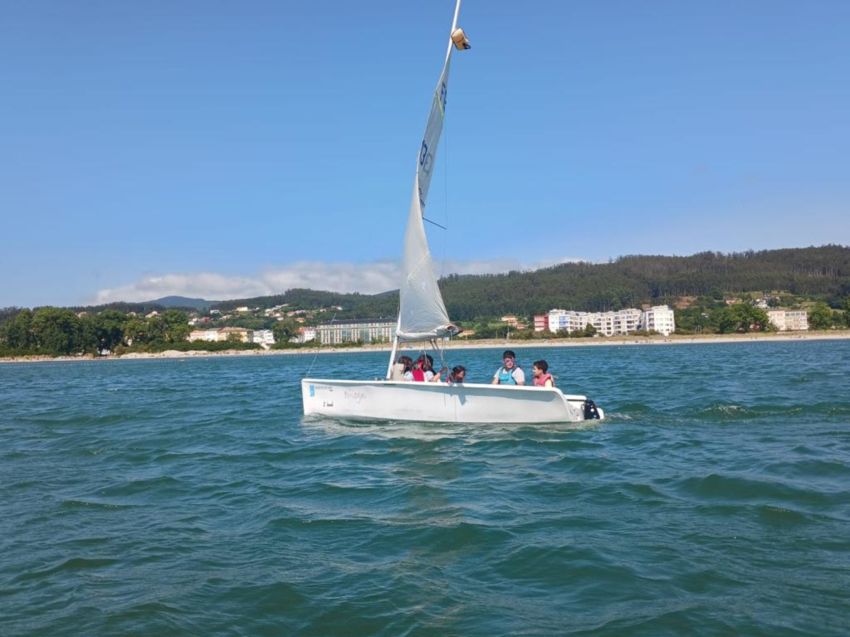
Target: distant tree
760,320
742,317
285,330
109,328
57,332
136,331
88,341
820,317
17,332
174,326
695,320
727,320
155,327
846,308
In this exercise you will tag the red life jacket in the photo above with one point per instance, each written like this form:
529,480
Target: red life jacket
419,375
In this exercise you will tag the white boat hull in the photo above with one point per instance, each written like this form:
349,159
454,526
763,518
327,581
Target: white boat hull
440,403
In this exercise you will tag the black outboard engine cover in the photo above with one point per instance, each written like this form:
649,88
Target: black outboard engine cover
590,410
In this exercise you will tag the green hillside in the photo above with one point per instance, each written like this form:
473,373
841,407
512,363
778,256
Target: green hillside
818,272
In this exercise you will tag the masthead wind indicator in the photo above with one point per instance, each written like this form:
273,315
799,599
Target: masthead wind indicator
460,40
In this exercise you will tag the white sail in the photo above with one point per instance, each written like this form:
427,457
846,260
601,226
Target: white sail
422,312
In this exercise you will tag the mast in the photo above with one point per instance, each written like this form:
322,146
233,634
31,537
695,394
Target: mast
422,311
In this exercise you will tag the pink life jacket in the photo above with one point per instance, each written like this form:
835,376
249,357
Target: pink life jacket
419,375
541,381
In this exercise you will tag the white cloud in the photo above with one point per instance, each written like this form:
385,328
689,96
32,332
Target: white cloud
366,278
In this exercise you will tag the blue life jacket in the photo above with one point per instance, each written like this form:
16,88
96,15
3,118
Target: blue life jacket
506,377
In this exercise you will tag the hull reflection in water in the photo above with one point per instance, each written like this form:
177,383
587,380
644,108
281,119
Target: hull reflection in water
435,402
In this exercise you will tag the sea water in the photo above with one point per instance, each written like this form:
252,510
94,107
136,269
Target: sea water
191,497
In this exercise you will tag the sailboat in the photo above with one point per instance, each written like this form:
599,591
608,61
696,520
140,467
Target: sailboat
423,318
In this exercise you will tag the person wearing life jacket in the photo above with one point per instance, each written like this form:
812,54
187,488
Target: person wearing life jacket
509,373
540,372
423,369
419,369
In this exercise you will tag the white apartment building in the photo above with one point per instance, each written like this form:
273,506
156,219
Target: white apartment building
796,319
789,320
204,335
659,318
356,330
241,334
567,321
217,335
305,335
626,321
605,323
264,338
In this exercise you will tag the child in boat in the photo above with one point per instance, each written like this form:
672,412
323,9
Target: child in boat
509,373
403,369
423,369
457,376
542,377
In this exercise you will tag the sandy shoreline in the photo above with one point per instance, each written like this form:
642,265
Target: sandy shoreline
482,344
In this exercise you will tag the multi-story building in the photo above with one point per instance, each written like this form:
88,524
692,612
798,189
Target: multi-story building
605,323
305,335
236,333
351,331
789,320
263,337
510,320
541,322
626,321
204,335
567,321
217,335
777,318
796,320
659,318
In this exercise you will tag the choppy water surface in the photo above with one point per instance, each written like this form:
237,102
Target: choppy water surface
173,497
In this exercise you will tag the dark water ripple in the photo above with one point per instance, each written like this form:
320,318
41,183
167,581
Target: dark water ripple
190,497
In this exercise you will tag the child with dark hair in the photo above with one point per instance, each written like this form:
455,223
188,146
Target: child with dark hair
542,377
509,373
406,364
423,369
457,376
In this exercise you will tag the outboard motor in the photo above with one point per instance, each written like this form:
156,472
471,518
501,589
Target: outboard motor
590,410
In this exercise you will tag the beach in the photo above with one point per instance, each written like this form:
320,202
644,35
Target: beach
602,341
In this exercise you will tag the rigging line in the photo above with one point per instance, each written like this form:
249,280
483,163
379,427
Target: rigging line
441,352
446,172
316,353
434,223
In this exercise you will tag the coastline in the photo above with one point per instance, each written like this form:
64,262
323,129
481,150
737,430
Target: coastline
478,344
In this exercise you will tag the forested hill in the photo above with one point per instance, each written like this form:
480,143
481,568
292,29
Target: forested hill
629,281
632,280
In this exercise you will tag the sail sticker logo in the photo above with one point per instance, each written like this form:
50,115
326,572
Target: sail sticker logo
425,157
444,90
312,391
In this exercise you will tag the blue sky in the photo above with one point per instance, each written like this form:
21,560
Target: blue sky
233,149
